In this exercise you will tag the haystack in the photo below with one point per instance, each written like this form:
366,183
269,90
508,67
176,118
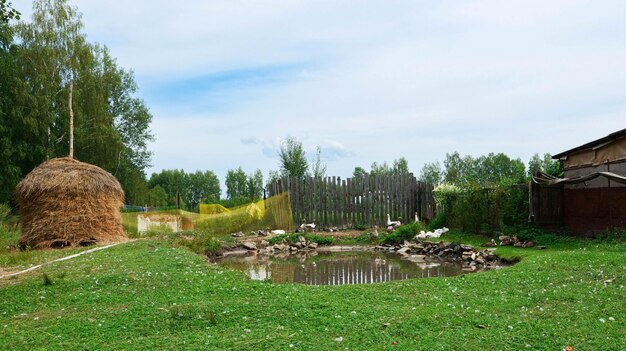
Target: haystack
64,202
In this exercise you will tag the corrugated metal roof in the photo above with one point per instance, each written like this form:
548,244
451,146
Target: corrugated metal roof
604,140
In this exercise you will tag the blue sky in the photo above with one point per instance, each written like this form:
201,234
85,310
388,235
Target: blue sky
367,81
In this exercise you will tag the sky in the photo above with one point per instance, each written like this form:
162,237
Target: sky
367,81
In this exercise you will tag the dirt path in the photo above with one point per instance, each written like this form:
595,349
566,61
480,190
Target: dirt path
60,259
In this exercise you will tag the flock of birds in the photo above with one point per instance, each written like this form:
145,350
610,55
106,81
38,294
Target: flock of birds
391,225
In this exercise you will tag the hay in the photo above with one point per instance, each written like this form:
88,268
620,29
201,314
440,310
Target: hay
64,202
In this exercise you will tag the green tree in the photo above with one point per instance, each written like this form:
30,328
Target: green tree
7,12
292,158
10,172
358,172
400,166
272,177
380,170
545,164
157,197
171,181
431,173
236,183
486,170
202,187
318,169
255,185
455,168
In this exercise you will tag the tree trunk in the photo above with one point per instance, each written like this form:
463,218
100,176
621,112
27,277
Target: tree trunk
71,121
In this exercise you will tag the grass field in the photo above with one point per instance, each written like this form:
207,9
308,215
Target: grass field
148,295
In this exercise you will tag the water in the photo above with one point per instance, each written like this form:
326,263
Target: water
341,267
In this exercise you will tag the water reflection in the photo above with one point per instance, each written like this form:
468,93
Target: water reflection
341,267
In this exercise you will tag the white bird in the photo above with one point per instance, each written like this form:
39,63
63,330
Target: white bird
391,223
417,219
308,226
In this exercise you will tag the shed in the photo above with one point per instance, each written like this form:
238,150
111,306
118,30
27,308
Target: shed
594,188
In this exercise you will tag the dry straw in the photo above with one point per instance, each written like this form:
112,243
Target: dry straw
64,202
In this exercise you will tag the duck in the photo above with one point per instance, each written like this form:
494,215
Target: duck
391,223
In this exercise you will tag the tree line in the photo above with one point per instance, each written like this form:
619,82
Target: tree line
487,170
203,187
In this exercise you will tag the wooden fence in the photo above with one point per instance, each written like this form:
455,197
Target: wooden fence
345,203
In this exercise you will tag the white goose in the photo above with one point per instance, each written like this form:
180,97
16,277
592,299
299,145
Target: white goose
391,223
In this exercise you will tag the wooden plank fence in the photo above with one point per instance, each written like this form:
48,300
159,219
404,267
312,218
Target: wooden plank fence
366,200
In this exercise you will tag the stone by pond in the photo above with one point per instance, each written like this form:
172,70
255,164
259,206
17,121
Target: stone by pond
338,266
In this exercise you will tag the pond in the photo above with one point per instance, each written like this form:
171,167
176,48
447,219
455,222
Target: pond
337,268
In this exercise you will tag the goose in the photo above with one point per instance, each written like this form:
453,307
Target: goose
391,223
374,234
308,226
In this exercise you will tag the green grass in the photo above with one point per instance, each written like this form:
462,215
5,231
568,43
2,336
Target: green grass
147,295
15,260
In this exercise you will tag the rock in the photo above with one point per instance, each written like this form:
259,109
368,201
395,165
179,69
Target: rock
480,260
489,243
281,247
249,245
404,250
264,243
278,232
262,232
238,234
417,247
390,229
417,258
467,247
312,245
540,247
505,240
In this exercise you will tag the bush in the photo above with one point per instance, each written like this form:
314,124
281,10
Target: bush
476,209
613,236
403,233
440,221
471,210
198,242
361,226
512,204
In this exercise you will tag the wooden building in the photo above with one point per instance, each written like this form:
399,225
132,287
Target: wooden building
593,191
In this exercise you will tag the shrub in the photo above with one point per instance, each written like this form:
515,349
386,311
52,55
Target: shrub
198,242
402,233
361,226
440,221
478,209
